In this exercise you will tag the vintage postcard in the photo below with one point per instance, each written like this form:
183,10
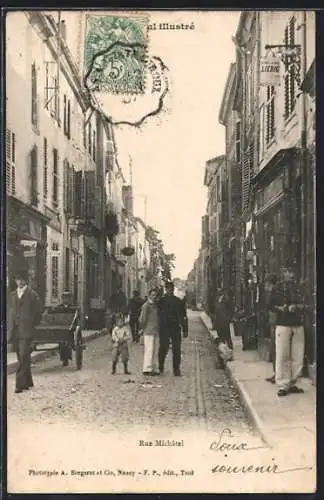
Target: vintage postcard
160,249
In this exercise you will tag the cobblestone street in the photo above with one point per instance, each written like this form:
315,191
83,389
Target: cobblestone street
86,426
92,397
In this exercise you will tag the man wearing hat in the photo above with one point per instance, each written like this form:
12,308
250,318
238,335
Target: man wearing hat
25,314
172,318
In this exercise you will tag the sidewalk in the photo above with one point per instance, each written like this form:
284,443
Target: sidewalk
273,417
36,356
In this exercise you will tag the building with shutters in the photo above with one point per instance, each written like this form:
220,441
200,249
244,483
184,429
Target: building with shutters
215,179
283,184
43,149
62,176
231,120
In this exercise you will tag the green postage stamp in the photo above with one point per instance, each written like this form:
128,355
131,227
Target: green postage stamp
115,54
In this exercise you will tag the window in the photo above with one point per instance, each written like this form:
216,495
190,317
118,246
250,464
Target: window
290,72
55,177
89,139
94,145
270,114
51,89
67,270
45,171
10,162
238,142
34,176
218,189
34,102
55,267
66,117
69,188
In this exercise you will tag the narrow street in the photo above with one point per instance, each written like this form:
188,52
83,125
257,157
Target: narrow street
93,398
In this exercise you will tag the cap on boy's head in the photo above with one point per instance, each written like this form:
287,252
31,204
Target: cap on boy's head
120,316
21,274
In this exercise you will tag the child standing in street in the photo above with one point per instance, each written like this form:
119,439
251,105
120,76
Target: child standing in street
121,336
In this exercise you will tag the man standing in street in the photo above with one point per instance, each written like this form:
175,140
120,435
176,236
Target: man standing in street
134,310
286,301
25,314
172,318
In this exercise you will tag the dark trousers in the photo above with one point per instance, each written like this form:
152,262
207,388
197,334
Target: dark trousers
65,352
24,377
133,322
175,338
224,334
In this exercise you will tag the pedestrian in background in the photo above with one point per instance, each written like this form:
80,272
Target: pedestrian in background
270,283
134,311
121,336
172,319
149,323
222,318
287,302
25,314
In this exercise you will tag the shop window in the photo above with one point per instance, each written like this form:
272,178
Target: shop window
55,177
289,78
10,162
45,168
34,100
270,114
55,274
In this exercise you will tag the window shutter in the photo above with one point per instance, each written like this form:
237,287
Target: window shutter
66,183
69,119
8,160
45,166
64,115
33,175
34,110
73,192
79,198
245,178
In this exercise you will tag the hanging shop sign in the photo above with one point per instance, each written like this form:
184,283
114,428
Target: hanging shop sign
270,71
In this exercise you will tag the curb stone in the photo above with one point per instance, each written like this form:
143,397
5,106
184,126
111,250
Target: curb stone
36,357
250,411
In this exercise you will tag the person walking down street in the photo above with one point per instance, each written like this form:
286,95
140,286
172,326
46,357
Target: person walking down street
172,319
287,302
269,285
134,310
149,323
222,318
121,336
25,314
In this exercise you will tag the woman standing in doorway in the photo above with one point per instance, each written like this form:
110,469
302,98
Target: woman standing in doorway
149,324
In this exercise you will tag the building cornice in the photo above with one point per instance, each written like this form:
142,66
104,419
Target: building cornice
228,95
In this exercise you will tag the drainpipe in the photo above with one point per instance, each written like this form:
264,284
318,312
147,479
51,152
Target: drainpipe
304,183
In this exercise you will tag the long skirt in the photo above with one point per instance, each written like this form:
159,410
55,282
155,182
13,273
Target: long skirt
150,362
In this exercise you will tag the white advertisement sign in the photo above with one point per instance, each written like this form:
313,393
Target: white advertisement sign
270,71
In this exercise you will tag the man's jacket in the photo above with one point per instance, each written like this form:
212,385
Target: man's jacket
25,314
286,294
134,307
172,315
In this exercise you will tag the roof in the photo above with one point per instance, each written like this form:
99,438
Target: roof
211,168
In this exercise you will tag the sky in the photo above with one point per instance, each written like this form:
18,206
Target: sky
169,152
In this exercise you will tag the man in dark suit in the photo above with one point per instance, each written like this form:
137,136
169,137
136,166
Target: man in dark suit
172,318
134,310
25,314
